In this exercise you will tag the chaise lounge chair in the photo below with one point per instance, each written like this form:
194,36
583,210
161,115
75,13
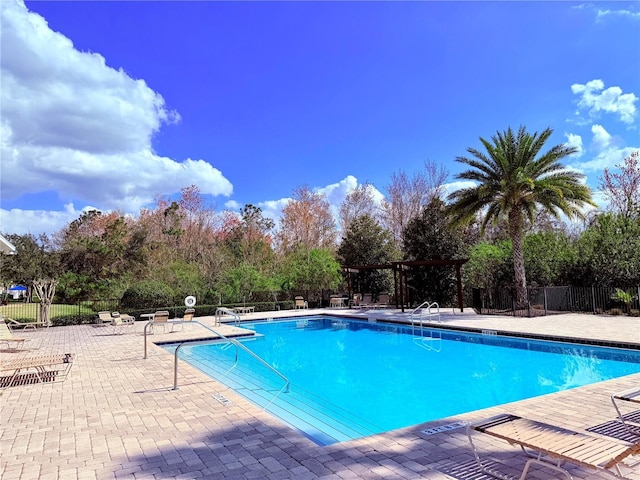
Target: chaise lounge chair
550,446
629,397
13,324
104,318
13,343
119,321
47,368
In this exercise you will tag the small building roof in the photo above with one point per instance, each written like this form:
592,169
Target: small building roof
6,247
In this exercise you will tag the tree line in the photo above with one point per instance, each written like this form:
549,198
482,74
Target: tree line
511,225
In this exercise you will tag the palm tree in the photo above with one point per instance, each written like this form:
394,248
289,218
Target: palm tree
514,182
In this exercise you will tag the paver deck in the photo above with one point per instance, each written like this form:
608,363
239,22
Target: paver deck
116,415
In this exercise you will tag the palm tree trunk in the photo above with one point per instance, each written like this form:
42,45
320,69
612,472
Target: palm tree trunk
516,232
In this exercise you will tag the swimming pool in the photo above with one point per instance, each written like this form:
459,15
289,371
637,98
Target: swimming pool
351,378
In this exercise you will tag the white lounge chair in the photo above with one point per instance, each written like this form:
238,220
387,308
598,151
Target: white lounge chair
550,446
46,368
120,321
6,336
632,399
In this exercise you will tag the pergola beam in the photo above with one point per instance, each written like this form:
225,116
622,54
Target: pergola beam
399,277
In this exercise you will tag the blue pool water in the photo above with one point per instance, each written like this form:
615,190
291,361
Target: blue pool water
353,378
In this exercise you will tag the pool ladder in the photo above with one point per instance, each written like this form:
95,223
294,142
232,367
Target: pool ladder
220,311
429,340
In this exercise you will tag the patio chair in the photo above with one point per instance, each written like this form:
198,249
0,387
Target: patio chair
550,446
46,368
120,321
160,318
124,316
366,301
355,300
382,302
300,302
104,318
336,301
632,399
187,317
6,336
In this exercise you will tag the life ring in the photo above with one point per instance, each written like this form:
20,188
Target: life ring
190,301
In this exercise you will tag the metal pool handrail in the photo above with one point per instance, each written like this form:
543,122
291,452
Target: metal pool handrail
434,340
232,341
228,311
422,307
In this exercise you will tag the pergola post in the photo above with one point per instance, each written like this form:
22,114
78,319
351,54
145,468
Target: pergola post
400,279
459,282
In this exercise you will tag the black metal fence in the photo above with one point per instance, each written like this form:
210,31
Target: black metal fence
86,311
551,300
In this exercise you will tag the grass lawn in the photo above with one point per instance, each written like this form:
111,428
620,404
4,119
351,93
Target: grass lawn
26,312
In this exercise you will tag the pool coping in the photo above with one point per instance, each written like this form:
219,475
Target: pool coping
321,438
116,416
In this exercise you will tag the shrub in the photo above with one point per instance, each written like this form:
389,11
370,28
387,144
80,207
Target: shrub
147,294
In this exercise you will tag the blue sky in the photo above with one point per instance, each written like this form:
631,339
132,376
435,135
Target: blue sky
109,104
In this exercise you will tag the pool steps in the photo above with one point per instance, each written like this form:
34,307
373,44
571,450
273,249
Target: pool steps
319,420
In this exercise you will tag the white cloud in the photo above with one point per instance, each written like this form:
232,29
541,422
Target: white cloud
601,138
334,192
594,98
451,187
73,125
21,222
607,158
232,205
621,13
273,208
575,141
608,151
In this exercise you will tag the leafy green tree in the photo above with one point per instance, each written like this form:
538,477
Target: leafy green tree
549,257
101,245
183,278
313,269
490,265
431,236
608,252
514,180
35,259
238,284
367,243
249,240
147,294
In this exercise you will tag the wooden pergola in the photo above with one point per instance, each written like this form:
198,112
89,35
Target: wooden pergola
400,278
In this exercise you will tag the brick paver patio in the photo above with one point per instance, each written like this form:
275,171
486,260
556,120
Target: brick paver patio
116,415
